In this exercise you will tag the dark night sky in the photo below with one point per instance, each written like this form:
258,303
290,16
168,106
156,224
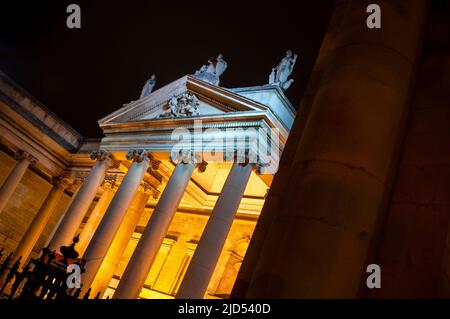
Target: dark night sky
83,75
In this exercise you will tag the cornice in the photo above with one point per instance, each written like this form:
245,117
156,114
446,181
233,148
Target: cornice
37,114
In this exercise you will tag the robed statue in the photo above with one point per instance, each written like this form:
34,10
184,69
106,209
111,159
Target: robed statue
211,72
218,66
279,75
148,87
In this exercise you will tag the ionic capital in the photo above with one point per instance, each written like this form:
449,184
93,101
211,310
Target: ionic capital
23,155
98,155
106,156
60,181
138,155
185,157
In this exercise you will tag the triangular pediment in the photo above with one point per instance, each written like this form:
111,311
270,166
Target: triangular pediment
187,97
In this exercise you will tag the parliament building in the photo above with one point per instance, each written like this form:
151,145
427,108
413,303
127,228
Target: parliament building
195,190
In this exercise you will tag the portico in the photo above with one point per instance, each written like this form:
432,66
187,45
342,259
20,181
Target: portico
209,161
167,200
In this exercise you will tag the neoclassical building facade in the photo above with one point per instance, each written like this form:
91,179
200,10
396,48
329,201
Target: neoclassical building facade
164,205
173,200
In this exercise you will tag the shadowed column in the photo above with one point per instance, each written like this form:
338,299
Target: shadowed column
281,178
73,187
145,253
10,184
40,220
83,198
208,251
96,215
328,220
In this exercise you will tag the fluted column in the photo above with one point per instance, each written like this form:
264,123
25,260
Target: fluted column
83,198
24,159
103,237
120,242
97,213
145,253
40,220
213,239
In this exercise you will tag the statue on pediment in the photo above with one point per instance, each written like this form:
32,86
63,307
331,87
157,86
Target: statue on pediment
211,72
218,66
279,75
180,106
148,87
203,69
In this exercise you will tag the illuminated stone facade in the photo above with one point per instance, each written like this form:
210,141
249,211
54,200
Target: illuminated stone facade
106,190
364,176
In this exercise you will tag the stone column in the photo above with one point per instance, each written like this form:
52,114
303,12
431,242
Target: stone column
103,237
24,159
83,198
120,242
73,187
211,243
97,214
280,180
40,220
145,253
328,220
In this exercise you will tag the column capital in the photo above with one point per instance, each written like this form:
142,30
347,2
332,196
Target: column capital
60,181
23,155
138,155
105,156
98,155
185,157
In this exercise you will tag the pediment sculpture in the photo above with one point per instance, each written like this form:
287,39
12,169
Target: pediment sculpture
183,105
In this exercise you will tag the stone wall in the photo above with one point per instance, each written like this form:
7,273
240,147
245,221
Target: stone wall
23,205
